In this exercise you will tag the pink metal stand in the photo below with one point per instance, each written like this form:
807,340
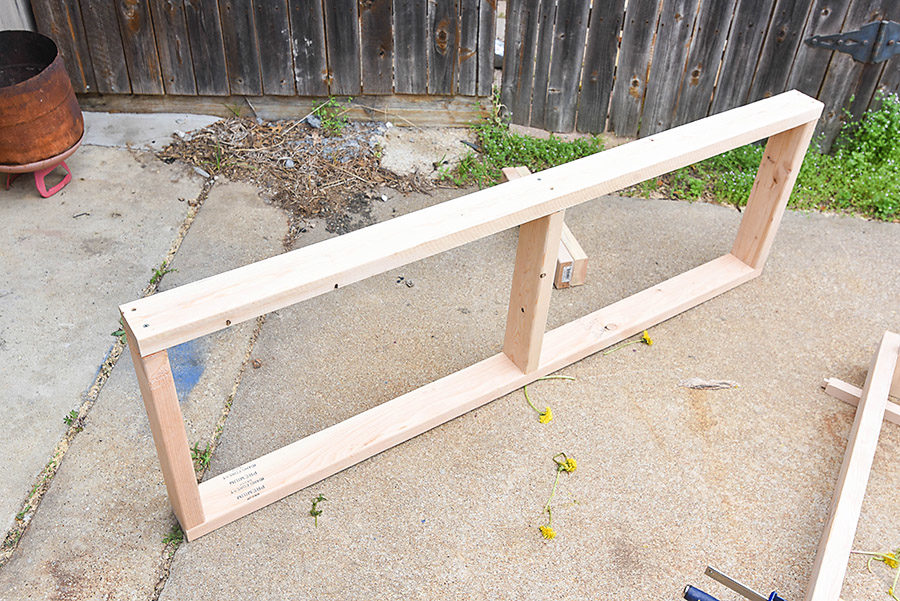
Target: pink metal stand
41,169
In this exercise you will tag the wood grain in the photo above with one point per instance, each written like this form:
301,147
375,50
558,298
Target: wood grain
378,42
169,318
565,66
308,43
105,43
410,49
830,564
546,21
599,66
469,18
810,63
173,43
241,47
273,30
139,43
779,48
61,21
522,18
487,32
443,46
673,40
634,65
342,41
207,47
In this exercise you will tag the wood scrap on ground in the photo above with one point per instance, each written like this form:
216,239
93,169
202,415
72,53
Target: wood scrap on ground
701,384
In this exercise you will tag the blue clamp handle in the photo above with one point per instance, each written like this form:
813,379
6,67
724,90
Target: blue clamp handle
775,597
694,594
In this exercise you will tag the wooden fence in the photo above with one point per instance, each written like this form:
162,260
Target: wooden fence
274,47
565,67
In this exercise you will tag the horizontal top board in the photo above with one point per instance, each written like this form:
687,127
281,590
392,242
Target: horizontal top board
205,306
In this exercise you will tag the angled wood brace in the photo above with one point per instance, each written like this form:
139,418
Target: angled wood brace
837,538
536,203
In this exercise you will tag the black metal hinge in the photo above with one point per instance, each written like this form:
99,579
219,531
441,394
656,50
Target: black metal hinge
872,43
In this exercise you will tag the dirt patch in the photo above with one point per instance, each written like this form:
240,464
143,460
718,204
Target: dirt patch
299,168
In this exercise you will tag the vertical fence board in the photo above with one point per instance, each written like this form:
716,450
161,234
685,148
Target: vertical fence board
207,47
487,32
174,47
308,37
673,38
410,62
748,30
634,62
809,65
275,60
342,40
468,46
61,21
443,46
779,48
545,27
847,78
139,43
599,65
565,66
888,84
378,41
241,50
105,43
518,58
703,61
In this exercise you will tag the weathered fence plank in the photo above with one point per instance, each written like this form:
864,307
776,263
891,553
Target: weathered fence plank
173,44
61,20
411,55
599,65
443,46
241,49
273,31
139,43
468,46
847,78
565,66
676,23
696,88
748,30
378,40
545,28
308,39
207,48
487,31
342,41
634,64
811,63
105,44
518,58
779,48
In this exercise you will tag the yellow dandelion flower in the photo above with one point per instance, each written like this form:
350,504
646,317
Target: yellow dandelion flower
547,532
570,465
890,559
646,338
546,417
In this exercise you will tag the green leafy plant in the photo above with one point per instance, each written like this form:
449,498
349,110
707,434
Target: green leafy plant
331,114
499,148
315,512
71,417
159,272
201,457
120,333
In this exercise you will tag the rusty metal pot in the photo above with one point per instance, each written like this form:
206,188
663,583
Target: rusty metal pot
39,115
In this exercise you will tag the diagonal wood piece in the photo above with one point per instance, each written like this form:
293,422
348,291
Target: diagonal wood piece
837,538
850,394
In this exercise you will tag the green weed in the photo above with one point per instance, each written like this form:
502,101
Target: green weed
502,148
315,512
71,417
201,457
158,274
331,113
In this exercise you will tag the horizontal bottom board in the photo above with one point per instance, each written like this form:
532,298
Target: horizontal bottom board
275,475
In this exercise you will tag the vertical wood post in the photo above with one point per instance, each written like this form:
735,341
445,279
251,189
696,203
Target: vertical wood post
154,376
774,181
529,300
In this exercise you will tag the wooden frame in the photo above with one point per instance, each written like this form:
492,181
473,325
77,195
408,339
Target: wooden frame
837,538
536,203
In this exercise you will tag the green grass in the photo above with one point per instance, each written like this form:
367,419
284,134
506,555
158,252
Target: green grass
502,148
861,176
